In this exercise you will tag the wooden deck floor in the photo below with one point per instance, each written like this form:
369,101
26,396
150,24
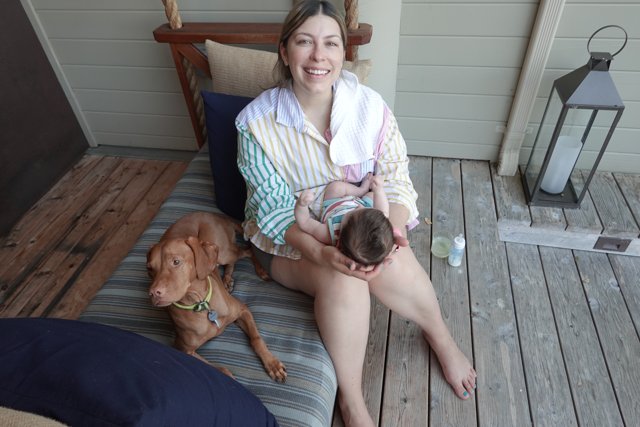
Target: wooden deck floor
66,246
553,332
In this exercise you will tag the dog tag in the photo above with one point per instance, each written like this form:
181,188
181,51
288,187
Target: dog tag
213,316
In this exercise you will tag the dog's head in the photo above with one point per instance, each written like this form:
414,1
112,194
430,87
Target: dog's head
173,264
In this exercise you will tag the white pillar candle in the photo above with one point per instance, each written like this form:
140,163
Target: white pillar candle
563,159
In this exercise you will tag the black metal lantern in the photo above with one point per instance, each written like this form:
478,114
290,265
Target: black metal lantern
581,114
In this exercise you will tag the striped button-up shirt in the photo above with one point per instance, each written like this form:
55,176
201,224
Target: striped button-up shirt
281,153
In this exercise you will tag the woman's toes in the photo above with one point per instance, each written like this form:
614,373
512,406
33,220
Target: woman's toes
465,395
469,386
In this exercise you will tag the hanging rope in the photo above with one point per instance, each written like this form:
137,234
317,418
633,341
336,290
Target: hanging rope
351,14
351,19
173,15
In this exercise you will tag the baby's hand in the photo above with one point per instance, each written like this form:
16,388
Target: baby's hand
366,181
377,183
306,198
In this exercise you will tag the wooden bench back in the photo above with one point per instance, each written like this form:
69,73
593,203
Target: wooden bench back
188,57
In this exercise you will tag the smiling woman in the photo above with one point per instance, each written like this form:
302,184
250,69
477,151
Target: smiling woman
317,126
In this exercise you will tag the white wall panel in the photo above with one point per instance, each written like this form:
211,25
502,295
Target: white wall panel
118,78
142,124
158,103
442,106
451,84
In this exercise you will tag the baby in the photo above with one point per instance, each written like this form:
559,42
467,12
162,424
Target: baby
354,219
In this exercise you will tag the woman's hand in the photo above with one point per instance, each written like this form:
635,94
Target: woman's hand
331,256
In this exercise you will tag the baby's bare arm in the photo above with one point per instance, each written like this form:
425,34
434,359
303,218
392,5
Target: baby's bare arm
380,200
339,189
308,224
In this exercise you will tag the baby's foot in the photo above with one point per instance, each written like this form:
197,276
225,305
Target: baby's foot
457,370
306,198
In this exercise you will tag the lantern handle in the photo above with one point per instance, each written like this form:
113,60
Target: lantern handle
626,37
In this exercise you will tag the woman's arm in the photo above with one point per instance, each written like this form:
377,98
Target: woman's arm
327,255
270,200
393,165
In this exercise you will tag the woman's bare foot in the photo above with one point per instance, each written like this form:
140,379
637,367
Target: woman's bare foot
354,415
456,368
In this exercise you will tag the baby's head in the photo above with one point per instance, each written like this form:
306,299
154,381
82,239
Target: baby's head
366,236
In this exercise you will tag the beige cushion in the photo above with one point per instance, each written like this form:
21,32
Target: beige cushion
248,72
13,418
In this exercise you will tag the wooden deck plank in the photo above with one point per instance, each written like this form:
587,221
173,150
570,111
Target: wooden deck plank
547,382
627,271
618,337
452,288
585,219
593,396
406,387
130,192
110,253
37,290
630,186
48,206
616,217
511,203
502,393
49,226
375,358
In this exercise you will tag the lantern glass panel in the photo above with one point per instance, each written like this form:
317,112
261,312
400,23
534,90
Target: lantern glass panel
593,143
543,139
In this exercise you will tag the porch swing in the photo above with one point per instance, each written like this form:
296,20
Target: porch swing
183,39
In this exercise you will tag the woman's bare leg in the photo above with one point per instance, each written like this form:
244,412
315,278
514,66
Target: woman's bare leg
342,306
405,288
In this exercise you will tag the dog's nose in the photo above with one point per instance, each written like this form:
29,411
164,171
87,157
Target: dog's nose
156,292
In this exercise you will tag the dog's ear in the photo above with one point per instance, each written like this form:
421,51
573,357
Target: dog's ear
205,262
149,269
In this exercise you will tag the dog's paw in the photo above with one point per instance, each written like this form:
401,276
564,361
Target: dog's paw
276,370
228,283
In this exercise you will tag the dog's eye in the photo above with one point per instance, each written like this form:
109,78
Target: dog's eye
176,262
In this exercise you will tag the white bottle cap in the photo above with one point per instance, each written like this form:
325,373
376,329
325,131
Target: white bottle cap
459,241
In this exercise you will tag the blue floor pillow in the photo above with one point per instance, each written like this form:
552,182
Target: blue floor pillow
82,373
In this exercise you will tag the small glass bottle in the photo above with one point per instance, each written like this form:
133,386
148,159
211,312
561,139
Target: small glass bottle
457,251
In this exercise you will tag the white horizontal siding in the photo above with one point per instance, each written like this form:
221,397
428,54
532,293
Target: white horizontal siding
123,83
458,69
447,105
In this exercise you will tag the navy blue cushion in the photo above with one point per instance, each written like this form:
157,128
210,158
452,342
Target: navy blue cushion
220,112
84,373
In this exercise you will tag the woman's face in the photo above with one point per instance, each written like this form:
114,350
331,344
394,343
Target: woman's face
314,54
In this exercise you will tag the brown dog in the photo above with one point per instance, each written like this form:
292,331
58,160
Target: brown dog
183,267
